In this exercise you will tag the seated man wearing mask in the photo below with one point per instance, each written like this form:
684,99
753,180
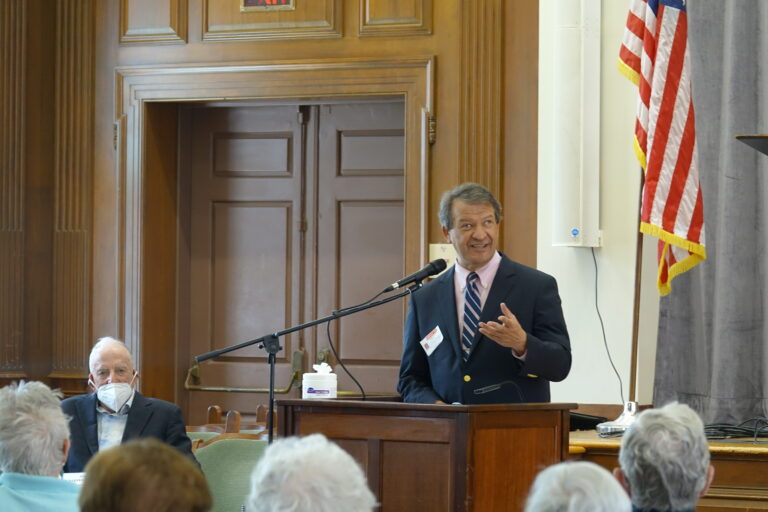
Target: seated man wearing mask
116,412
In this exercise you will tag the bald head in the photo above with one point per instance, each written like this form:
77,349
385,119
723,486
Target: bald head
109,362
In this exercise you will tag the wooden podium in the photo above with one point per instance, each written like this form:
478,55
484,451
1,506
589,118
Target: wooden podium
439,457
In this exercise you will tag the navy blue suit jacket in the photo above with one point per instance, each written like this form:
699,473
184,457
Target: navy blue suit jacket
147,417
533,298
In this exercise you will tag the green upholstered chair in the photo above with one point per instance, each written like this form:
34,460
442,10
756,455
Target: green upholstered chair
228,461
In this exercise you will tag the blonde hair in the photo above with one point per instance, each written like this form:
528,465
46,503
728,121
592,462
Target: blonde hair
143,475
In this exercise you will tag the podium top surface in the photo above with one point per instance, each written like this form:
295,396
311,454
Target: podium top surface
759,142
351,404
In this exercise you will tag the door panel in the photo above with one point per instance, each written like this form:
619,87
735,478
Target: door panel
291,217
246,199
361,237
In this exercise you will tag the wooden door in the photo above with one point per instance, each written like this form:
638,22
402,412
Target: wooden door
290,212
360,241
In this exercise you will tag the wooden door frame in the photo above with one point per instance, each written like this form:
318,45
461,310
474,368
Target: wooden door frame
147,197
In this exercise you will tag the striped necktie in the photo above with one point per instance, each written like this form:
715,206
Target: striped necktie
472,310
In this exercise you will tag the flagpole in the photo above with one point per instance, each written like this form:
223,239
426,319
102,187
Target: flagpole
636,304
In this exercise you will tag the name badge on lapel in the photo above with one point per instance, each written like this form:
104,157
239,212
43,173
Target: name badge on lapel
432,340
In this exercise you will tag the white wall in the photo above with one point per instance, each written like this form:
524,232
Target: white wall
592,379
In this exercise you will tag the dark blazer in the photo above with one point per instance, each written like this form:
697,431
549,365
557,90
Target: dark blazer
532,296
148,417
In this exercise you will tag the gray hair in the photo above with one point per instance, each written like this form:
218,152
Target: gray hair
665,458
103,342
33,430
577,487
308,474
470,193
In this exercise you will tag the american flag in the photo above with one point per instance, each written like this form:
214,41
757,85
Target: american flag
654,55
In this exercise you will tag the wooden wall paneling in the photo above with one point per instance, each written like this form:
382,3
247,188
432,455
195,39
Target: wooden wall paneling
223,20
153,21
480,144
13,23
407,77
520,62
395,18
156,354
73,169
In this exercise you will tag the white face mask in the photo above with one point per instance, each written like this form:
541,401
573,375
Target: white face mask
115,395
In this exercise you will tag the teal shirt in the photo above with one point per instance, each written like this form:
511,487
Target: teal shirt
30,493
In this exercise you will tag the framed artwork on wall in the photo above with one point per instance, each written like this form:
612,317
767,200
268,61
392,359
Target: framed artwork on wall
267,5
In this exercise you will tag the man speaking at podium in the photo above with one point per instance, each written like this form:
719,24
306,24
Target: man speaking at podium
489,330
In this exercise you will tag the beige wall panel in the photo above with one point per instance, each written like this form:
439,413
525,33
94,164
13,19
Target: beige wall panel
73,169
223,20
13,17
153,21
395,17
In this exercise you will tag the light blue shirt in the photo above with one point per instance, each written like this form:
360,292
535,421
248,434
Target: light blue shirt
112,425
31,493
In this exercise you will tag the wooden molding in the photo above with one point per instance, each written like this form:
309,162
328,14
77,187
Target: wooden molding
13,22
72,186
480,97
311,20
378,18
174,32
409,77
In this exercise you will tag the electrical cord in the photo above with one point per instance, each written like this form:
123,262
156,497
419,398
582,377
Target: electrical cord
757,430
336,355
602,326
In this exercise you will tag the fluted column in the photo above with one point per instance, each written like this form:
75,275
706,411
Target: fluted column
13,17
72,187
481,95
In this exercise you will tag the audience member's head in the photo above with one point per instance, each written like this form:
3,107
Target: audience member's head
664,459
308,474
577,487
143,475
34,432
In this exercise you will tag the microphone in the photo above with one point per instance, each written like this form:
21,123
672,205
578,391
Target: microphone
430,269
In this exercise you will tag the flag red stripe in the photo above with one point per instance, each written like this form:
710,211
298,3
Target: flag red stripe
635,25
629,58
697,221
680,175
664,120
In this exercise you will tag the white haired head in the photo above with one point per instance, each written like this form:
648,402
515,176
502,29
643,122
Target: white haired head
34,431
577,487
308,474
664,459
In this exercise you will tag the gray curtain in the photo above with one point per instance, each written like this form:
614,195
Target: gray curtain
713,328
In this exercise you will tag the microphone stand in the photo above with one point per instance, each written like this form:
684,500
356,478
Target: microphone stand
271,344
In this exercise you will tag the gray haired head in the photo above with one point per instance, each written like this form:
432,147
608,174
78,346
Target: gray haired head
103,342
470,193
308,474
33,430
664,457
577,487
